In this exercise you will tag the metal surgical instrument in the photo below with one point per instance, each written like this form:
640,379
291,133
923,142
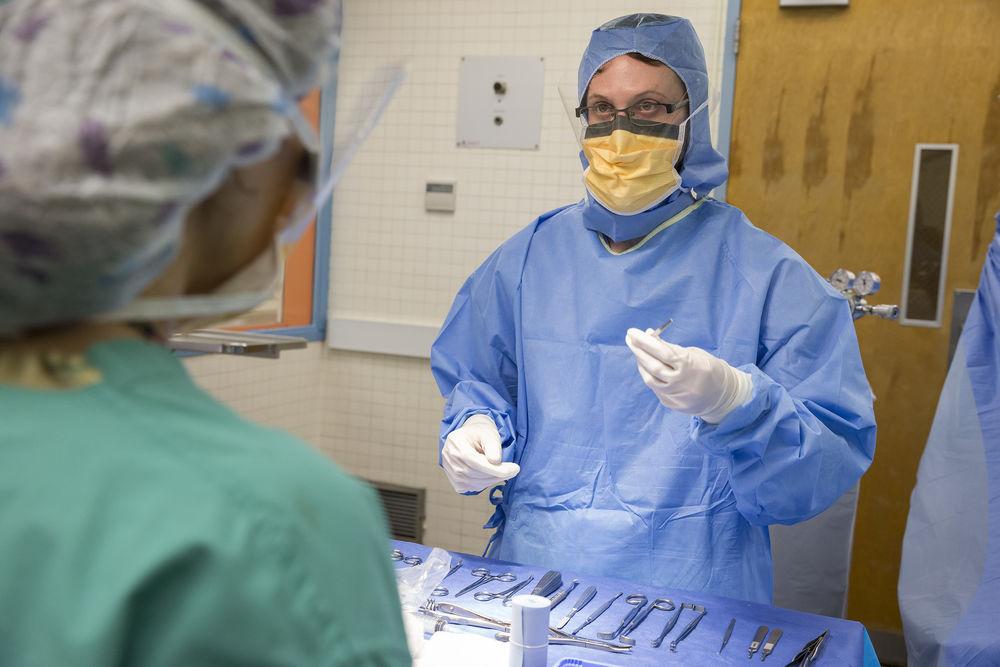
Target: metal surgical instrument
663,327
698,609
729,633
409,560
671,622
483,596
757,639
569,640
597,614
658,603
485,576
639,601
453,613
441,590
557,598
588,594
548,584
771,642
809,652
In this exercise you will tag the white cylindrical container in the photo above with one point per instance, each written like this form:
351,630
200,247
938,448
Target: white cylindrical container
529,631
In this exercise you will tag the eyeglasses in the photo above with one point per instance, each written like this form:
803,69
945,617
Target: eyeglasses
643,112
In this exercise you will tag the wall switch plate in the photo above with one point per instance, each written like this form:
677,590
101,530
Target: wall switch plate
439,196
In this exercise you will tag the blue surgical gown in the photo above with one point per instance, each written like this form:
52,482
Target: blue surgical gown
613,483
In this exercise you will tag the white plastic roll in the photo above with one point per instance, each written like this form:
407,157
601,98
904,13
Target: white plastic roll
529,631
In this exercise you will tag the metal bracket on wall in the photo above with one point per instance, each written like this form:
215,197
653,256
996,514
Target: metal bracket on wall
217,341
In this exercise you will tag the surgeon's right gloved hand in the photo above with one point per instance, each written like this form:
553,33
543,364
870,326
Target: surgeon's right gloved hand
471,456
689,379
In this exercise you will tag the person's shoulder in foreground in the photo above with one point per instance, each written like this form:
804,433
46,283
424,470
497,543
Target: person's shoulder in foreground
153,526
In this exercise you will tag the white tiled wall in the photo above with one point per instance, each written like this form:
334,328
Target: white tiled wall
378,415
284,393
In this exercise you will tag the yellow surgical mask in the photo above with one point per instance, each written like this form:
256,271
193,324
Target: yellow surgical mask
632,167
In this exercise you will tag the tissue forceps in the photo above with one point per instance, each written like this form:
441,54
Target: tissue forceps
639,601
663,604
485,576
409,560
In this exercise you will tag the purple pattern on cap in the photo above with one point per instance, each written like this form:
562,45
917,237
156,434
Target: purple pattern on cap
294,7
93,141
26,244
29,29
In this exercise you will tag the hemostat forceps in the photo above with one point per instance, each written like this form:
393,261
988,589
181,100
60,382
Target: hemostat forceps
485,576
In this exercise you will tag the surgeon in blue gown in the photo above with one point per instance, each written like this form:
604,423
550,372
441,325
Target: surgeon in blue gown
611,449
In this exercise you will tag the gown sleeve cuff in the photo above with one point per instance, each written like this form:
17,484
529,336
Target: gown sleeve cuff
502,420
720,439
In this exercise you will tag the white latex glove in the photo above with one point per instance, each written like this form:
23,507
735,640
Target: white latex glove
689,379
471,456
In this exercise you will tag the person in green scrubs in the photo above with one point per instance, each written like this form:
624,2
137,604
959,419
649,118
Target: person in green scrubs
145,160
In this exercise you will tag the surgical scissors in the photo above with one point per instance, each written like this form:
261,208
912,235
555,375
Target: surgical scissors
485,576
663,604
483,596
409,560
441,590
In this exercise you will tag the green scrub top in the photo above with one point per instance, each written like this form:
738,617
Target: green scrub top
143,523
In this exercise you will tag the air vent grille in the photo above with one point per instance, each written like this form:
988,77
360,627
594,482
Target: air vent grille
405,510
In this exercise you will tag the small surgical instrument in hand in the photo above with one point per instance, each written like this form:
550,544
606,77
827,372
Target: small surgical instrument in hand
638,600
588,594
771,642
729,633
597,614
485,576
663,327
663,604
441,590
757,639
698,609
409,560
483,596
557,598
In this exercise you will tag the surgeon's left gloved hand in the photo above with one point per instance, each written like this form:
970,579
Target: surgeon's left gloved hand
689,379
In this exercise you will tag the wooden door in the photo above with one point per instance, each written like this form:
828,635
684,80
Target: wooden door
829,105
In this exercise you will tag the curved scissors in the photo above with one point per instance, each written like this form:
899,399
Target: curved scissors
485,576
409,560
483,596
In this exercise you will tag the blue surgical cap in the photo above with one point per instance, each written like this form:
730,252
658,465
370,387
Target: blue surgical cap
672,41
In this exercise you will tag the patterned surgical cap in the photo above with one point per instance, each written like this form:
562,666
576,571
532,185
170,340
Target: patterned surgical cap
118,116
